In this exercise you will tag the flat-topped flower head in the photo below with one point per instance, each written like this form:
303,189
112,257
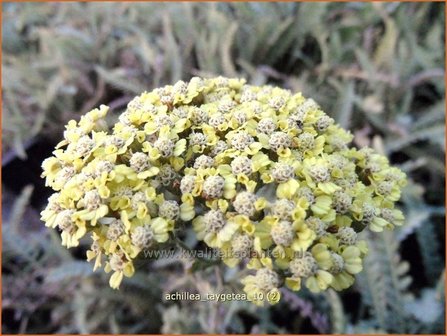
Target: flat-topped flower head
266,125
169,210
282,172
220,147
241,165
142,236
306,141
279,140
347,236
283,233
259,173
337,263
213,187
203,161
303,267
217,120
214,221
317,225
115,230
262,287
165,146
104,166
167,175
198,116
244,203
214,228
241,140
187,184
342,201
63,176
139,162
320,173
84,146
65,220
323,123
283,209
267,279
197,139
242,245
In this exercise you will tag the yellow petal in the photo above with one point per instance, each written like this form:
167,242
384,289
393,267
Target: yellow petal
115,280
293,284
180,147
187,212
287,189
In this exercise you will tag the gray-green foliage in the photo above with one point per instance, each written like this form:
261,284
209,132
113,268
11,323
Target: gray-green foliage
377,68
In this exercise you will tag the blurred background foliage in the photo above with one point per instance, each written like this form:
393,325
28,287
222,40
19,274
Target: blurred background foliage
377,68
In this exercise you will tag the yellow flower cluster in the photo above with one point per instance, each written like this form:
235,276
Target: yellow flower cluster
263,175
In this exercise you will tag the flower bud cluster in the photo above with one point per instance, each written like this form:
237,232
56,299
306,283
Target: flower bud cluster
263,174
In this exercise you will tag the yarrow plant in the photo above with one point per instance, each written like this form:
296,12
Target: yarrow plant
261,174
